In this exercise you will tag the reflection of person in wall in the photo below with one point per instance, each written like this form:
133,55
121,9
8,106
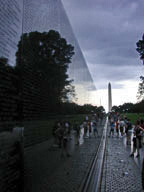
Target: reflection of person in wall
78,131
85,126
90,128
67,125
57,133
95,131
86,118
64,142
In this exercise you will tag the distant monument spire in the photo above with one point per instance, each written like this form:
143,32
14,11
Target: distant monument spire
109,98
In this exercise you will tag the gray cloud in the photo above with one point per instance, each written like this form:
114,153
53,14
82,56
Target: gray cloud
102,75
107,32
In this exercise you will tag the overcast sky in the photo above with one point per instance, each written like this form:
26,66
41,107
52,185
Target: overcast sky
107,31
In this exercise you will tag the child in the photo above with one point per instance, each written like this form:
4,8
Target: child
112,129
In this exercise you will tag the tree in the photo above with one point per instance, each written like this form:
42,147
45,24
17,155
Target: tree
46,56
100,109
140,93
115,109
140,48
126,107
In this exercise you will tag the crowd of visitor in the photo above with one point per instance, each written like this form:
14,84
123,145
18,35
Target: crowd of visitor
62,132
120,126
134,134
123,127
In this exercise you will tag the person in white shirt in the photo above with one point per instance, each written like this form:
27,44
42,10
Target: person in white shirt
122,125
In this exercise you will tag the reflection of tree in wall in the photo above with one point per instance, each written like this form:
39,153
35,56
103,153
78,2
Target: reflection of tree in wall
42,62
140,50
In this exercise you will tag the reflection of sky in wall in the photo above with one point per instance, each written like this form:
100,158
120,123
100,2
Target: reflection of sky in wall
44,15
10,28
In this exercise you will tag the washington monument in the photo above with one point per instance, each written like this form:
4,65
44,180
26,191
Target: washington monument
109,98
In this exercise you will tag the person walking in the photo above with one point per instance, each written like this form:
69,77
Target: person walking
67,125
122,125
128,128
85,126
57,133
78,132
90,128
136,140
64,143
134,145
95,131
117,128
142,128
86,118
112,129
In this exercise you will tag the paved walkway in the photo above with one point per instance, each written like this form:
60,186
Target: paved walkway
46,171
121,173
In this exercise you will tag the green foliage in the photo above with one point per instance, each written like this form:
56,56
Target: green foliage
73,108
38,131
130,108
140,48
134,116
126,107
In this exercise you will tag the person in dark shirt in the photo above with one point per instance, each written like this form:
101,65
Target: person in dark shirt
128,128
136,140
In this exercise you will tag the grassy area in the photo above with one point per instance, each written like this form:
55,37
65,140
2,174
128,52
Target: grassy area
38,131
134,116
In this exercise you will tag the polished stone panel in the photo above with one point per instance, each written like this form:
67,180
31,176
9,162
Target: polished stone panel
24,16
11,12
44,15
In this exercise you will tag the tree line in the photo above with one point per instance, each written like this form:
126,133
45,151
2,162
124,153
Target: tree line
129,108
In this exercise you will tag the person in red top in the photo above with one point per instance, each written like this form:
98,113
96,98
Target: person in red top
117,128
